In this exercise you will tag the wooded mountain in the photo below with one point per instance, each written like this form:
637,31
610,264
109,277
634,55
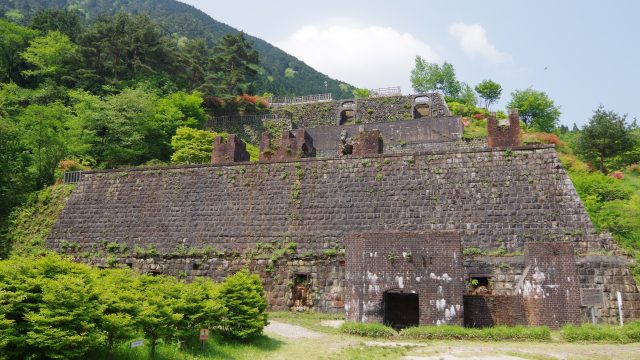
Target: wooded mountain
180,19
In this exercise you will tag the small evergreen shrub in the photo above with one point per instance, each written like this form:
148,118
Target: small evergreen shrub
243,297
367,329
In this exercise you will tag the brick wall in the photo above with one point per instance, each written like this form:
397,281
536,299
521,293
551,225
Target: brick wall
427,264
550,285
490,310
495,199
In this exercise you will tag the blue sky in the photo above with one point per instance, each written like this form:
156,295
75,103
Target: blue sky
581,53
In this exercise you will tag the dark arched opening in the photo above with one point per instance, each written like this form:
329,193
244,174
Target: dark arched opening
421,108
401,309
347,116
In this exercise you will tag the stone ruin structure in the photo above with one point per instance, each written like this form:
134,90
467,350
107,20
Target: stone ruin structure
400,221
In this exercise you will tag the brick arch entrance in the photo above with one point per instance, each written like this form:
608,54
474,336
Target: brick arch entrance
401,308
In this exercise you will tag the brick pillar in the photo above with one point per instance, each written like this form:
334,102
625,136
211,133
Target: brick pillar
504,135
293,145
550,287
233,150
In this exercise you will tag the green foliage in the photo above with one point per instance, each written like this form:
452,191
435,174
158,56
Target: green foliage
13,40
243,298
28,225
56,309
496,333
604,137
361,93
367,329
427,77
233,69
602,333
65,21
489,91
51,55
192,146
536,109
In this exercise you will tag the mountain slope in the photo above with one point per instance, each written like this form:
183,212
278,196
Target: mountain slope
185,20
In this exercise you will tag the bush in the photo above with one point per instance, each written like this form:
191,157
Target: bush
496,333
367,329
605,333
243,297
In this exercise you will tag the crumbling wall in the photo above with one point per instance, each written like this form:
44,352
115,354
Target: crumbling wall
429,264
368,110
438,133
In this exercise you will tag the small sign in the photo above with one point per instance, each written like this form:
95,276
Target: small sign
137,343
591,297
204,334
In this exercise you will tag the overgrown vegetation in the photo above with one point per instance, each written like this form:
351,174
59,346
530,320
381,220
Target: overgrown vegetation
368,329
496,333
53,308
602,333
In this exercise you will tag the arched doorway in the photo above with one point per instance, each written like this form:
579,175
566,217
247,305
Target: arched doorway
401,309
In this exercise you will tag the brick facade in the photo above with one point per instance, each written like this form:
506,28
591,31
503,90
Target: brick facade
504,135
427,264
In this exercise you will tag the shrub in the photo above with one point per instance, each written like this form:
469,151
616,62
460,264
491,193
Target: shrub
634,169
617,175
496,333
604,333
367,329
243,297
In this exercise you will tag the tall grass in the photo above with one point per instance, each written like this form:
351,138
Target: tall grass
602,333
496,333
367,329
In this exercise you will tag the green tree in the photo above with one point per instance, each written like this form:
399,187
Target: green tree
52,55
120,297
115,126
426,77
361,93
243,297
467,95
13,40
157,318
194,54
489,91
233,69
15,181
605,136
53,308
192,146
65,21
125,46
200,307
44,134
536,109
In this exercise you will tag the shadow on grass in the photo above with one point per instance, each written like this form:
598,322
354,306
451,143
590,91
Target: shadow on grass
217,347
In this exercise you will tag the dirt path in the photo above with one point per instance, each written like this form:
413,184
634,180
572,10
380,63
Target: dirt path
291,331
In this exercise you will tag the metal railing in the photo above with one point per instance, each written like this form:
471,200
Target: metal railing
72,177
388,91
285,100
225,122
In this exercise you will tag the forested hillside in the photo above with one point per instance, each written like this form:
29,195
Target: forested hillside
181,20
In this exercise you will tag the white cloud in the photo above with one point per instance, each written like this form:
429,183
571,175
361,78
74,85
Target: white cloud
365,56
473,40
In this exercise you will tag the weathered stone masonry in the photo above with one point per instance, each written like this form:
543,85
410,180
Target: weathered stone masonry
210,220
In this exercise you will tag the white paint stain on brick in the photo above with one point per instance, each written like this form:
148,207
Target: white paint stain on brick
441,304
400,281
